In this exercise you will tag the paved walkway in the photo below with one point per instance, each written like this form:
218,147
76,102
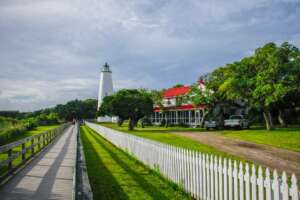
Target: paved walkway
49,176
265,155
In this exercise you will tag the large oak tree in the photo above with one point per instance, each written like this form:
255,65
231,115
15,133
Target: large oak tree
128,104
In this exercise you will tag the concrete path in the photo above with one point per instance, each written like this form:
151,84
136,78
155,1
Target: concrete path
49,176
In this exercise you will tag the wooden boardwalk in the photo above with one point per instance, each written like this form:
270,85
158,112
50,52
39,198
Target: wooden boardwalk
49,176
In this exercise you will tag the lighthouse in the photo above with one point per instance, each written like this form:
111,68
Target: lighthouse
105,88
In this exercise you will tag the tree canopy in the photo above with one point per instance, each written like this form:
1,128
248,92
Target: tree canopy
127,104
264,80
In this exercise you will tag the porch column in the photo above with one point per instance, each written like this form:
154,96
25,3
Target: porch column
189,117
197,116
176,117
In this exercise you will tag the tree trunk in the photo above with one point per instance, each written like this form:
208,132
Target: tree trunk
205,112
268,119
281,118
132,123
120,121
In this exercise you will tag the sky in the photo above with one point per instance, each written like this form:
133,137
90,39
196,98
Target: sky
52,51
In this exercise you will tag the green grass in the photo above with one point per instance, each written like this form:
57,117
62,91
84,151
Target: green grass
163,135
17,161
35,131
6,123
287,138
114,174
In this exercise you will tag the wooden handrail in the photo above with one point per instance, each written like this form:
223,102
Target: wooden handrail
43,139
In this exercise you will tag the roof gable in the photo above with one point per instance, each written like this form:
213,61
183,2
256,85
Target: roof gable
177,91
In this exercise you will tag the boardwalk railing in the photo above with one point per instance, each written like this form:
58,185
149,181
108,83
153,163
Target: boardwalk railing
205,176
17,153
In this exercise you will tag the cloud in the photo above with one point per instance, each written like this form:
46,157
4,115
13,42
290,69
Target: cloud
52,50
18,93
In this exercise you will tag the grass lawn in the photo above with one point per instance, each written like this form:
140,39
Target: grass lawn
114,174
287,138
162,135
39,129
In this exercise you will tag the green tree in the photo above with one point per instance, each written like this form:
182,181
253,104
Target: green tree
77,109
264,79
201,97
129,104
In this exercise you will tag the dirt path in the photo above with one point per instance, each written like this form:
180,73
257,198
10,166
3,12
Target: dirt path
264,155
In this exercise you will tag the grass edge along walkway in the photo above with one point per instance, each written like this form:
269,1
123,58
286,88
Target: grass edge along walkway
114,174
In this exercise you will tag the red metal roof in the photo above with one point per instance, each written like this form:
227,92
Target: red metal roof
177,91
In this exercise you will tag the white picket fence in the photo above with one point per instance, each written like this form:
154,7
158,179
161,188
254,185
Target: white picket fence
204,176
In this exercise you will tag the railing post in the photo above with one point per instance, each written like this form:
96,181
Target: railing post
32,147
39,142
23,152
48,134
9,155
44,139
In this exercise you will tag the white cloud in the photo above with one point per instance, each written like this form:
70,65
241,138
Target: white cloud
51,50
18,93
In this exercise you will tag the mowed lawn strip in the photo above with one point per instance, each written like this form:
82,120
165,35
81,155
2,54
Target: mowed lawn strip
163,135
286,138
114,174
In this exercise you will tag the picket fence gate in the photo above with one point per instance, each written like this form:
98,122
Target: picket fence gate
204,176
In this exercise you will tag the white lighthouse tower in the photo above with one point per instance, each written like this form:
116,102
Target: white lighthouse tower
105,89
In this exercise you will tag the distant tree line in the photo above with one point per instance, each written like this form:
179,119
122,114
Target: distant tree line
13,123
75,109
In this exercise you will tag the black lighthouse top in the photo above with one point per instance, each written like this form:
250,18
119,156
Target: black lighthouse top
105,68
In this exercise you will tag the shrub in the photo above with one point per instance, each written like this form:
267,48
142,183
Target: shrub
7,134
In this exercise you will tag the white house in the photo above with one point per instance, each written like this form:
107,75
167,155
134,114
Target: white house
178,114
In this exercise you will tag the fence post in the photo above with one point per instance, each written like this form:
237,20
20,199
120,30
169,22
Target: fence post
39,142
230,177
220,170
32,147
260,183
275,185
235,181
44,139
200,182
268,185
284,187
247,182
216,178
241,180
212,184
204,188
253,183
225,178
23,152
207,177
9,156
294,188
